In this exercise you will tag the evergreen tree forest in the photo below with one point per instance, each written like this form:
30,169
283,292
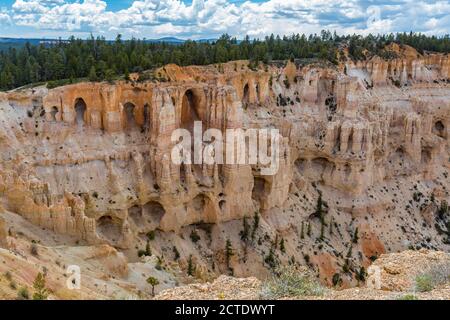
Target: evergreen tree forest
97,59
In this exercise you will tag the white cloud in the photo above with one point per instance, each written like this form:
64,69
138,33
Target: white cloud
206,18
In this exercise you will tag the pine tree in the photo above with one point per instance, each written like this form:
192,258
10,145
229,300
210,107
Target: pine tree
255,224
302,233
93,75
110,75
350,251
176,253
191,267
270,259
245,231
6,80
282,247
228,253
148,250
153,282
361,275
75,58
322,231
320,212
355,237
275,242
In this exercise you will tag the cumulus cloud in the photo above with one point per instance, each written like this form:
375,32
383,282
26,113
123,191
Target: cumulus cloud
209,18
4,19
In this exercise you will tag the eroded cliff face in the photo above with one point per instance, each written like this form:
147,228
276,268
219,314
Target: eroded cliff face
92,160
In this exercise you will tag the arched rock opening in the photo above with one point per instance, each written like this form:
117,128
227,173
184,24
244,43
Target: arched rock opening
398,162
222,204
108,229
189,110
259,189
439,129
182,173
201,210
135,215
152,213
257,92
129,110
246,96
301,165
350,142
347,169
53,113
80,111
199,202
426,155
147,117
146,218
318,167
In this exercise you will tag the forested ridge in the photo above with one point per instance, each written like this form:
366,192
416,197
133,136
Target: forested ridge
97,59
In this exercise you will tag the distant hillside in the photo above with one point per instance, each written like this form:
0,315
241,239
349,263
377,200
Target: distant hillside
6,43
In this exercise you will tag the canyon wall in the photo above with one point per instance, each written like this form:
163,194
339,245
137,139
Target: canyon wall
93,160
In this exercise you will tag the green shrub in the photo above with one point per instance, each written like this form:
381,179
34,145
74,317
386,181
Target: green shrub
361,275
290,281
176,253
147,252
282,246
191,267
141,253
40,290
408,297
337,280
159,263
255,224
151,235
245,231
228,253
270,259
153,282
302,233
355,237
8,275
58,83
34,250
12,285
23,294
424,283
194,236
434,276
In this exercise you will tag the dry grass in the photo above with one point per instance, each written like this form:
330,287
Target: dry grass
291,282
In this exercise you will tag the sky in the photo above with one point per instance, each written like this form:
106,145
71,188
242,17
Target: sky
206,19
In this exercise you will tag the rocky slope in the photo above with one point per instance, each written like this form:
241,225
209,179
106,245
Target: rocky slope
364,170
407,264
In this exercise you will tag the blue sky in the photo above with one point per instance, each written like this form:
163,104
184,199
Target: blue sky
210,18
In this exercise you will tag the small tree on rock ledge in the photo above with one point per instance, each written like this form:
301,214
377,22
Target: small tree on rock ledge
153,282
